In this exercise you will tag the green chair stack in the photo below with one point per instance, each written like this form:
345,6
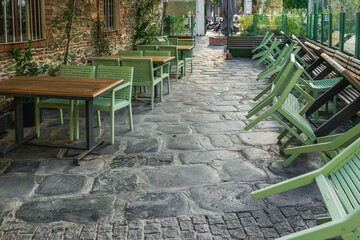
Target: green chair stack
54,103
263,46
118,98
145,75
177,62
166,67
339,185
269,55
130,53
147,47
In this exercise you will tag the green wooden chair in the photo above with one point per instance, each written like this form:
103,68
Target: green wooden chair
130,53
177,62
339,184
147,47
281,100
97,61
188,55
145,75
118,98
276,66
263,46
269,55
162,40
328,146
166,66
54,103
173,41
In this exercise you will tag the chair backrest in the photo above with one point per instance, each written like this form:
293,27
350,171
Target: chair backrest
162,40
81,71
143,69
97,61
147,47
125,73
187,43
173,41
157,53
173,49
130,53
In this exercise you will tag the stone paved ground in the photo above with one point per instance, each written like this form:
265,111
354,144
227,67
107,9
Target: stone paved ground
185,172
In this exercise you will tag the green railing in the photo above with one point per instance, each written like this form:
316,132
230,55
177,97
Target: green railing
336,30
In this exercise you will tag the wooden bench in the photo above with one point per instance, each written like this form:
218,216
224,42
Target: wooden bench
348,95
243,45
306,54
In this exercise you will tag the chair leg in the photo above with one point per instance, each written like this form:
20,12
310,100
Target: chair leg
112,126
130,117
61,116
98,117
260,118
161,90
152,97
37,116
177,73
168,84
191,66
76,123
71,120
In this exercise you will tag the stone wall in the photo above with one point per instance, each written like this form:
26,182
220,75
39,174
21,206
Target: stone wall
82,48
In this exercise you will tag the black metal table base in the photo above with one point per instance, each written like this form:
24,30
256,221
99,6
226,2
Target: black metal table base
17,144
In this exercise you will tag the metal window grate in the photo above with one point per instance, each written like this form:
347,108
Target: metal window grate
111,15
21,20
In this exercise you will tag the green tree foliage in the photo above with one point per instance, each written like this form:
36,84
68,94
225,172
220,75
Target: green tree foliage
295,4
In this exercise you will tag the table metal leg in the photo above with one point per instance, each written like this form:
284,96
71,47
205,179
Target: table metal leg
19,127
90,145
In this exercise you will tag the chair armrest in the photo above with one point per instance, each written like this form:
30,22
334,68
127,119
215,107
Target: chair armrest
306,95
158,67
124,85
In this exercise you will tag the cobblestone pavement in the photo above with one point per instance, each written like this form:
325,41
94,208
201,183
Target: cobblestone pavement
186,171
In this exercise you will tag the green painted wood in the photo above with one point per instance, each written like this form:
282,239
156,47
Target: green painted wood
120,97
338,182
178,63
147,47
65,71
130,52
145,75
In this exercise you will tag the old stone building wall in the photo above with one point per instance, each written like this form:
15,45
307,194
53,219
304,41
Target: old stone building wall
49,51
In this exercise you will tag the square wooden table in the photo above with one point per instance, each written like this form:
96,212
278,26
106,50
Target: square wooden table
74,88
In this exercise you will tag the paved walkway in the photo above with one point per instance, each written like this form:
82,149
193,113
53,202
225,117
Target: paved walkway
185,172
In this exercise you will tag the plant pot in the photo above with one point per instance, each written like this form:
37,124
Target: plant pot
29,114
3,122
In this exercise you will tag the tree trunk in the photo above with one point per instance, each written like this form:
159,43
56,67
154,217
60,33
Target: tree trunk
68,29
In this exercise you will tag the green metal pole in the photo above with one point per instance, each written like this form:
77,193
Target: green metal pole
192,25
342,31
284,21
316,21
330,28
322,27
357,39
255,24
311,27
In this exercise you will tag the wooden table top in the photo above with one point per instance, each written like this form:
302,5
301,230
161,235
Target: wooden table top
59,87
184,47
155,59
186,39
341,70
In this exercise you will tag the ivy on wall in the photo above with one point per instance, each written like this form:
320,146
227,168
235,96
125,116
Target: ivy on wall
147,22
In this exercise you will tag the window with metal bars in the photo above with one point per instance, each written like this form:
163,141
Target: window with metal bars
21,20
111,15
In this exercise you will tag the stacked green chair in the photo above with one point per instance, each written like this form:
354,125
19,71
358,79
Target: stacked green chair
188,55
130,53
328,146
145,75
173,41
166,66
177,62
54,103
281,100
269,55
339,185
147,47
276,66
162,40
263,46
118,98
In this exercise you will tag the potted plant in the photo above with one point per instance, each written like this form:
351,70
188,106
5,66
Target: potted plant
25,66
